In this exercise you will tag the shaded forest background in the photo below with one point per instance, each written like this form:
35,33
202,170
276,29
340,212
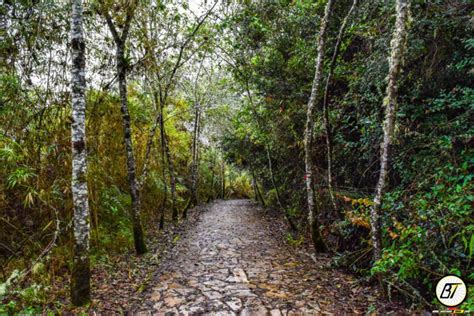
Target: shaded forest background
228,85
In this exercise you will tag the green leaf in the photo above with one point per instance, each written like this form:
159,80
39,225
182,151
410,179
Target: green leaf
471,246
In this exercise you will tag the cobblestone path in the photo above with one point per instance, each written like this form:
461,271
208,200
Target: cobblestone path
232,262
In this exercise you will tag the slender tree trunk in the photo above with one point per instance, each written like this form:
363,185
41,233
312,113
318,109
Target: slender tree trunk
211,195
254,190
327,124
269,160
80,279
174,210
165,184
138,236
317,239
165,197
198,158
3,34
131,164
272,177
193,200
195,148
258,194
390,104
149,144
164,97
164,139
223,179
159,121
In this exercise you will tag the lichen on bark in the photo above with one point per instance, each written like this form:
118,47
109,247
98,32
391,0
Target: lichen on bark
80,278
390,104
308,133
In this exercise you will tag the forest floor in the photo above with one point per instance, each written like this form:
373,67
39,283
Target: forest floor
228,257
234,258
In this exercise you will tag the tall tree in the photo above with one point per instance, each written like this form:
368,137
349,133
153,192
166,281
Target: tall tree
308,133
165,83
327,124
390,104
80,279
3,33
121,64
240,68
169,159
198,98
195,154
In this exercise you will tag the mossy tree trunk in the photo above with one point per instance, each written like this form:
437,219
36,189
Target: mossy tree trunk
390,104
317,239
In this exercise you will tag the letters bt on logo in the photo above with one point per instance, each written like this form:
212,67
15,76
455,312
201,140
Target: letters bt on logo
451,290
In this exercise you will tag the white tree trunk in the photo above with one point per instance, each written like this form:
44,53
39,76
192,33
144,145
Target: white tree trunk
390,104
308,134
3,33
80,279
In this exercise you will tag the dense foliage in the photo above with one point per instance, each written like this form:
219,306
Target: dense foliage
35,199
427,215
244,72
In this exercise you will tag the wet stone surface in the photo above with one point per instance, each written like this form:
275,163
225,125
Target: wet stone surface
234,261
